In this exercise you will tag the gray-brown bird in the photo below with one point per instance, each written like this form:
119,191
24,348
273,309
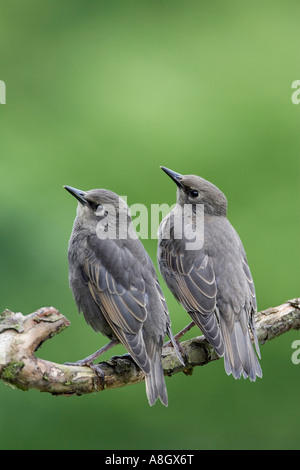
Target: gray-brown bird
115,285
204,265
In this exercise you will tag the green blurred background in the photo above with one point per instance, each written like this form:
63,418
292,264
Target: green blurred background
99,94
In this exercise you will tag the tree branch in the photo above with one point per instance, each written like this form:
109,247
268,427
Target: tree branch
21,336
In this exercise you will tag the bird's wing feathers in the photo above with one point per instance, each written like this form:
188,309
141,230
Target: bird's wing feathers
196,280
196,290
123,308
129,304
253,302
250,282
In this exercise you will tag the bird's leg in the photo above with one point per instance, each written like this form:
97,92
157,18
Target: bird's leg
180,351
176,345
180,334
88,361
95,355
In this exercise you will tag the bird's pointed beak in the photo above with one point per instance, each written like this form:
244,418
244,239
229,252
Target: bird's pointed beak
77,193
176,177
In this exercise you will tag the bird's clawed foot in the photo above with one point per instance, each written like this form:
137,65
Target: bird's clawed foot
182,352
88,361
179,350
124,357
97,369
174,341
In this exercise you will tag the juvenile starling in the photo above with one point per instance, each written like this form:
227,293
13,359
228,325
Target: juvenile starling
115,285
211,280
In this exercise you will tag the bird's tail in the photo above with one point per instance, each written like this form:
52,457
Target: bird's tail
155,381
240,357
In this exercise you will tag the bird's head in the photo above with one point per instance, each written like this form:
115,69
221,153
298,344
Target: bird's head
192,189
97,204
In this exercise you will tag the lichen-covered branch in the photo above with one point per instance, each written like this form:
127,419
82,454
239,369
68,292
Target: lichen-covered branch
21,336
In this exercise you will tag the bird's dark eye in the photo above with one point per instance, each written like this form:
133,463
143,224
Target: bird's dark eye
97,208
93,205
193,193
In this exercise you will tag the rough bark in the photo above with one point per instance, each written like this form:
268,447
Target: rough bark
21,336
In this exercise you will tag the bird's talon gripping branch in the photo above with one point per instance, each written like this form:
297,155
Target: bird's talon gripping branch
182,352
123,356
97,369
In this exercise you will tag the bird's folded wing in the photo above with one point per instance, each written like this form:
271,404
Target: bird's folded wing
250,282
192,281
124,309
195,278
254,303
